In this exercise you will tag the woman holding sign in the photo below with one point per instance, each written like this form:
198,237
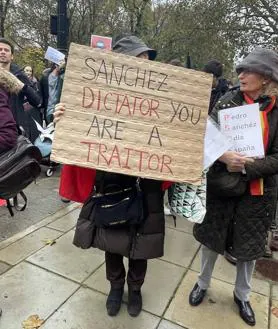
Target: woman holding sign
137,243
241,192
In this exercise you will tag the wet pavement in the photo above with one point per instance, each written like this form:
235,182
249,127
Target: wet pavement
66,286
43,200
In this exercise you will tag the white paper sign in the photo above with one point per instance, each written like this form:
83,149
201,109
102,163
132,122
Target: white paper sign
215,144
54,55
242,126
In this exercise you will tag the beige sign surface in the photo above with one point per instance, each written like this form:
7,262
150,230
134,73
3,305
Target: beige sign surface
132,116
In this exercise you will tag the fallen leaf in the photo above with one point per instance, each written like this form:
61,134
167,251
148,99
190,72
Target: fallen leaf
212,301
33,322
49,242
274,311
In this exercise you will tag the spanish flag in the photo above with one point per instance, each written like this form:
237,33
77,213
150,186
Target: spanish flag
257,185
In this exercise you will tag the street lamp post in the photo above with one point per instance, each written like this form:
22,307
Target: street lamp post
62,26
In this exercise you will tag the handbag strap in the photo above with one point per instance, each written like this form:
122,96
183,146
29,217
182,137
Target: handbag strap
15,203
138,187
10,208
100,181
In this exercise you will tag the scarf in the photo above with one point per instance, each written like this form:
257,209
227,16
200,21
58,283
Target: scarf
266,105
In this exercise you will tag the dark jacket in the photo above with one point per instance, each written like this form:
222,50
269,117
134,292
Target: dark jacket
8,130
21,116
240,224
148,239
217,93
34,112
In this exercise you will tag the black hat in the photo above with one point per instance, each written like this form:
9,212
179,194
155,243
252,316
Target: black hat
262,61
133,46
214,67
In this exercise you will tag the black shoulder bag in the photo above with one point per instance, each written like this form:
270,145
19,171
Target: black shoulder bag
121,208
225,184
19,167
109,210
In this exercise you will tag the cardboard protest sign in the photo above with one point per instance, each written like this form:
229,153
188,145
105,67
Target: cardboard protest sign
242,126
132,116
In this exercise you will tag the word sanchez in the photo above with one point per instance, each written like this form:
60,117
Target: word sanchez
125,75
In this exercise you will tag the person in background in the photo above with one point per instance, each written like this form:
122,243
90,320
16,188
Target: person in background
8,129
219,87
240,224
29,71
148,240
34,112
219,84
27,92
51,88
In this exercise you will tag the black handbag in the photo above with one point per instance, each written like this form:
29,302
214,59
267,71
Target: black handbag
19,167
225,184
122,208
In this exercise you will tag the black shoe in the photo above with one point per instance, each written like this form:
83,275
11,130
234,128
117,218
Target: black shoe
197,295
114,301
134,304
65,200
245,311
0,312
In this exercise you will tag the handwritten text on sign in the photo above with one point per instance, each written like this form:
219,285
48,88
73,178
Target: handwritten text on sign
242,126
132,116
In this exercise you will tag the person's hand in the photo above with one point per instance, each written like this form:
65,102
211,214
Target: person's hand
59,111
62,64
235,161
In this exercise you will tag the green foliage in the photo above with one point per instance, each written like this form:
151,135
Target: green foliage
203,29
32,56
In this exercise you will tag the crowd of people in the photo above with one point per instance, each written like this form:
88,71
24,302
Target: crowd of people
236,224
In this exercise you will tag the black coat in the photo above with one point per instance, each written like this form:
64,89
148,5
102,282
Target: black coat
240,224
148,240
28,93
217,93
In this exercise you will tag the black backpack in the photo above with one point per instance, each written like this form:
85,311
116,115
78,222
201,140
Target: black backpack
19,167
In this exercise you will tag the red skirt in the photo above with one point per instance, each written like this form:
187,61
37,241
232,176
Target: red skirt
76,183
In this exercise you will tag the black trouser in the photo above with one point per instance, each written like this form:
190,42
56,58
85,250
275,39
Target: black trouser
115,271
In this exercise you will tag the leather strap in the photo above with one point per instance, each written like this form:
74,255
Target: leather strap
16,205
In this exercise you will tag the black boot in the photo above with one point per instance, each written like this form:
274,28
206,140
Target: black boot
197,295
134,305
245,311
114,301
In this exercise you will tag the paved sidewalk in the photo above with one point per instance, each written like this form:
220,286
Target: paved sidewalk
66,286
